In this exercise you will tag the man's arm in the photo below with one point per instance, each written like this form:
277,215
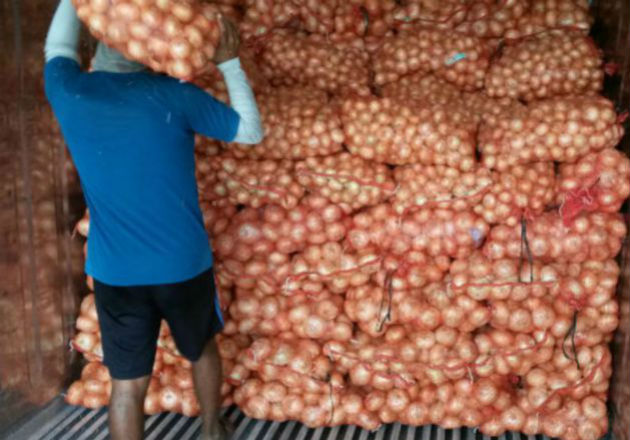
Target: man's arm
63,35
242,98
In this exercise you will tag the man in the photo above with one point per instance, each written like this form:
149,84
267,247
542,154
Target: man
131,135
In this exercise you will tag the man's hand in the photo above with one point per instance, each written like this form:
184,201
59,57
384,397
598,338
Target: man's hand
228,43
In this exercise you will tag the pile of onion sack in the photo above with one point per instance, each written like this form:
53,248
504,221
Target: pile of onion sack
427,233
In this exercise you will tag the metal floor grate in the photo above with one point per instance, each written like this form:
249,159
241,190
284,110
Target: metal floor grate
73,423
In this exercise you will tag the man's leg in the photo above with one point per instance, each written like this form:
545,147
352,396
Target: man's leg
208,377
130,326
126,408
191,310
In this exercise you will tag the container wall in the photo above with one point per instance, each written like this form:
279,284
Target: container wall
612,32
40,264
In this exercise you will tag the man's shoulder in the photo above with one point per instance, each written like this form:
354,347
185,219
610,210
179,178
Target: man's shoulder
60,74
178,90
168,83
58,66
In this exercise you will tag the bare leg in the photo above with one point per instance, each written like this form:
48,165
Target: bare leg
126,408
208,377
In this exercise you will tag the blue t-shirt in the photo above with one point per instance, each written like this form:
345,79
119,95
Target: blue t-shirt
131,136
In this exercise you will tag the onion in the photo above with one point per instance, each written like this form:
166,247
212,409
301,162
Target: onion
293,406
352,404
189,404
397,400
594,408
86,324
314,416
170,399
84,342
257,407
513,419
485,391
554,426
183,379
83,225
152,403
90,371
588,430
74,395
360,375
274,392
92,386
492,427
415,414
94,401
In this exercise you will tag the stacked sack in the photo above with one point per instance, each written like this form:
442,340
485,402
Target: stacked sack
427,234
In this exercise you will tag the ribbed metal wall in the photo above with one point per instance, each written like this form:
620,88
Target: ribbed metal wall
72,423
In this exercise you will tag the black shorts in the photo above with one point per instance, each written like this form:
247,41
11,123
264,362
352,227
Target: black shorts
130,318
